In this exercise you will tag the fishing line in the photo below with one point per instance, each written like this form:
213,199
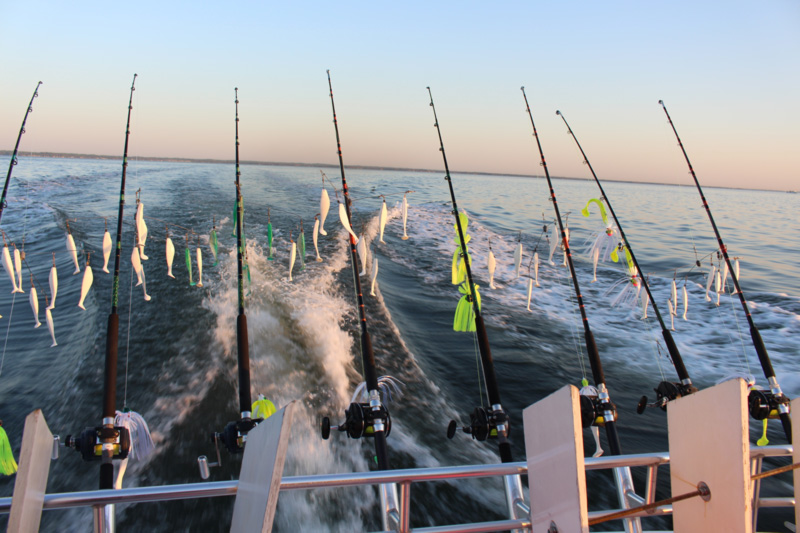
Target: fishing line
128,340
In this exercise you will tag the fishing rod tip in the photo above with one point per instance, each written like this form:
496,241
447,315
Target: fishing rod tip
661,102
522,88
558,112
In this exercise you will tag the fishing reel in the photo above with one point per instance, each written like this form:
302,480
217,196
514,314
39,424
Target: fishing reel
234,436
764,404
360,420
665,393
593,410
483,424
90,442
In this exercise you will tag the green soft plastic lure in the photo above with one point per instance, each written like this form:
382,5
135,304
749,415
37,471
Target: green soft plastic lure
189,266
465,315
8,465
212,240
301,249
271,255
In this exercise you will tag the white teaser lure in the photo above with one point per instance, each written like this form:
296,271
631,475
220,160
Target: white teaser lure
530,291
405,217
49,317
566,233
170,257
315,237
292,257
712,272
645,303
685,302
144,287
199,267
324,206
141,230
536,268
137,265
553,243
106,251
736,274
9,268
345,222
53,285
34,299
73,250
718,285
86,284
595,259
361,249
671,314
674,296
374,275
724,276
18,268
492,263
517,259
384,217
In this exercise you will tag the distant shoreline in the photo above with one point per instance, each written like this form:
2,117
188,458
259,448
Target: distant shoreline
60,155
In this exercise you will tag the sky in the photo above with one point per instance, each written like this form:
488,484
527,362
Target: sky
727,71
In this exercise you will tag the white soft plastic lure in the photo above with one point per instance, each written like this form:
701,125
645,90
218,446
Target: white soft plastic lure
170,257
324,206
736,275
405,217
106,251
86,284
563,249
147,297
199,267
34,299
137,265
53,285
345,222
674,296
73,250
724,276
536,268
384,217
595,259
685,302
718,285
49,317
553,243
361,249
645,303
374,275
141,230
292,257
712,272
517,259
530,291
492,265
18,268
9,268
315,237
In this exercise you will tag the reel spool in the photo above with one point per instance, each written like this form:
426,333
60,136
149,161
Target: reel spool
90,442
483,425
763,404
360,420
592,410
665,393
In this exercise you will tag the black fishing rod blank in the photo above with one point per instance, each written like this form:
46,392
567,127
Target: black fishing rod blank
13,161
762,404
108,442
597,410
495,422
234,436
666,390
361,419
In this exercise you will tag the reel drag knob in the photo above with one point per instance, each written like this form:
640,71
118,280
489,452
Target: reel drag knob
642,405
451,429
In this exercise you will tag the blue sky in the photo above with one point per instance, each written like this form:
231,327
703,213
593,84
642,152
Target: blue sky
726,70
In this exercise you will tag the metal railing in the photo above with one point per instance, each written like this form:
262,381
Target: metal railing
404,478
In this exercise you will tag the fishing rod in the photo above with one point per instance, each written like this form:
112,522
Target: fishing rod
16,149
494,423
361,419
601,411
666,390
763,405
108,442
